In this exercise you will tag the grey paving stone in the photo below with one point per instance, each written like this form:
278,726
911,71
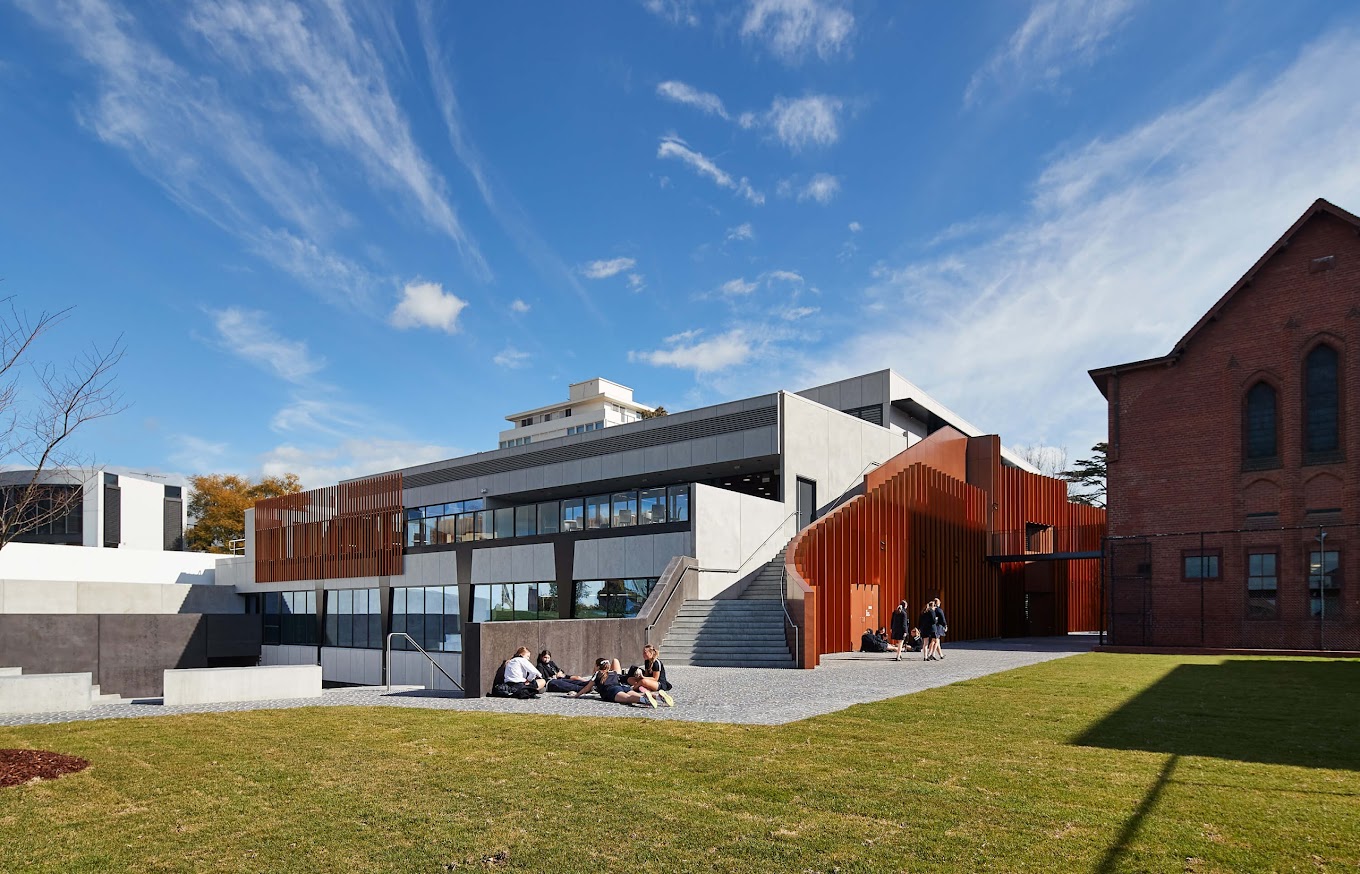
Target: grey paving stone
751,696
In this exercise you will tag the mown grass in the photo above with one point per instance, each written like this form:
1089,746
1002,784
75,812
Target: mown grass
1095,763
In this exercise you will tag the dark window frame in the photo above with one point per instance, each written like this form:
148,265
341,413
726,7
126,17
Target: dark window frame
1272,550
1338,583
1253,458
1336,452
1215,553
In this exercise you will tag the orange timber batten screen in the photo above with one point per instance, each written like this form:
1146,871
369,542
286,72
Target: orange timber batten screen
352,529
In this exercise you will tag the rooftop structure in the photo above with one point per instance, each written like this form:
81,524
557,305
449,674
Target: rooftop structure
591,405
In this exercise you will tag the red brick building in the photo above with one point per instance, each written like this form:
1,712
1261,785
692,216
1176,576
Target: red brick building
1233,460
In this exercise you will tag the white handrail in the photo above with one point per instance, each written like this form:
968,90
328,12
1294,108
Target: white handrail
433,663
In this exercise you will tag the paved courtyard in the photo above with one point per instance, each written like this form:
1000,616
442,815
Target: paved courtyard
734,695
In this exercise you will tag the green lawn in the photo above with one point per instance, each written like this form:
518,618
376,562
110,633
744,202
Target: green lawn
1093,763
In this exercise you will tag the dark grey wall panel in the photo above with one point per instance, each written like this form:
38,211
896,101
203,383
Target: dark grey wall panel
134,650
50,644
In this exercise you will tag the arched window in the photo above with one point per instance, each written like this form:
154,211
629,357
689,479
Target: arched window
1321,404
1261,441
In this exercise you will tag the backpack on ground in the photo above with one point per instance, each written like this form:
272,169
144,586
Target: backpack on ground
498,687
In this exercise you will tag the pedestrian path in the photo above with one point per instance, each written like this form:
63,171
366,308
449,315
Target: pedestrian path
751,696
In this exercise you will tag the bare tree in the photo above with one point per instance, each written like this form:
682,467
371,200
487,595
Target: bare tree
42,405
1048,460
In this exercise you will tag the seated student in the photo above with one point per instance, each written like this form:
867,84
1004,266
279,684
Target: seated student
869,641
520,674
654,672
610,685
558,680
637,679
914,641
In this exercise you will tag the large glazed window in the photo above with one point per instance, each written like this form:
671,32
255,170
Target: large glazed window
1262,584
1321,405
514,602
290,618
353,619
1324,584
1261,425
610,599
430,615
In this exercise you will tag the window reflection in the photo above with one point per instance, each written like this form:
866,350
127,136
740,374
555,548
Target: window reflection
610,599
430,615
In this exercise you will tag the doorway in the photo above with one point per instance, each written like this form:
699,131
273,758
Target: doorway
863,609
807,502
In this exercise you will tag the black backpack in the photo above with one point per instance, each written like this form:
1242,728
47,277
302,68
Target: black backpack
498,687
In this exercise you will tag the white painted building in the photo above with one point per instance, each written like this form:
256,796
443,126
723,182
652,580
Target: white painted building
590,406
115,510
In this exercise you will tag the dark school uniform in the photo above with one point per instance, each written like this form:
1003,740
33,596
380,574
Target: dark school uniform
926,623
899,625
651,666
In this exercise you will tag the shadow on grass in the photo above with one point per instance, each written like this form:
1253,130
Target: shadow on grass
1279,712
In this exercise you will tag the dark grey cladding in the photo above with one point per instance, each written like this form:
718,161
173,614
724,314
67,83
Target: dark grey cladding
621,438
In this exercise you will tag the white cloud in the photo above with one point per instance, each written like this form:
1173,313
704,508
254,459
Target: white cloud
822,188
674,11
1128,240
703,101
743,231
335,82
319,465
705,356
518,306
796,313
196,454
813,120
793,29
674,147
1056,36
784,276
737,286
636,282
335,277
606,269
510,357
856,227
427,305
245,334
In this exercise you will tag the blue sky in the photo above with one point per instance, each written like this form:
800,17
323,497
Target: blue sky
340,239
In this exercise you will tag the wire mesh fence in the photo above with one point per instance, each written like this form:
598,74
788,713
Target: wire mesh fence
1276,588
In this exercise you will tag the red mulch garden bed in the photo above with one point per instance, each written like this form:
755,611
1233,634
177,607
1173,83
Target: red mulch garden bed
18,767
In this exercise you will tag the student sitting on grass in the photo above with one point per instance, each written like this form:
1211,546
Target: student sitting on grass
637,680
609,684
558,681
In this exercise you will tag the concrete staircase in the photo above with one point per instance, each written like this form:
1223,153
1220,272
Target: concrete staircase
745,632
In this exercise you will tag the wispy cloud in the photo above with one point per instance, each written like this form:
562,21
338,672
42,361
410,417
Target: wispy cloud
679,92
784,276
334,277
794,313
427,305
518,306
673,11
743,231
196,454
336,84
1128,240
606,269
636,282
685,352
678,149
811,120
794,29
245,334
738,286
1056,37
322,464
855,227
822,188
510,357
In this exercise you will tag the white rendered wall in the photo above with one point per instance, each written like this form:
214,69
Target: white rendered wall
737,532
70,596
142,514
223,685
831,448
43,561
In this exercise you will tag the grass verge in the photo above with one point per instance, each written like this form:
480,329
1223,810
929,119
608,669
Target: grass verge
1098,763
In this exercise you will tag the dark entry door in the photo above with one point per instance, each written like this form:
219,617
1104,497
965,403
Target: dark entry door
807,502
1040,605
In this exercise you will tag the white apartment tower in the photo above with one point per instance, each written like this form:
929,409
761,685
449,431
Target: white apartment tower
590,405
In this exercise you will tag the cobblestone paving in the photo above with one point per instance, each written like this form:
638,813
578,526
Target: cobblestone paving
751,696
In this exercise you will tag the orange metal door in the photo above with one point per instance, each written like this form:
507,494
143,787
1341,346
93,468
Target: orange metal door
863,609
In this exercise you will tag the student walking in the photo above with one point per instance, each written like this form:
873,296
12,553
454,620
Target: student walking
941,626
926,622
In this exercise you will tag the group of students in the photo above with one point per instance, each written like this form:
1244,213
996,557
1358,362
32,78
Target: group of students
643,684
924,637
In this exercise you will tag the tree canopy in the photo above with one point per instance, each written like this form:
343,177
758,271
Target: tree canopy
1088,476
219,503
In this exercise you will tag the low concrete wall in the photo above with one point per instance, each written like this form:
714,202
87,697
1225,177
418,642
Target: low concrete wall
45,693
11,672
82,596
127,654
44,561
224,685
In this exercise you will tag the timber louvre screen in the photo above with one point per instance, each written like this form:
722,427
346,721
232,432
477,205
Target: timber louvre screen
353,529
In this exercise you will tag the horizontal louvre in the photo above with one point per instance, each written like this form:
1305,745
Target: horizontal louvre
603,445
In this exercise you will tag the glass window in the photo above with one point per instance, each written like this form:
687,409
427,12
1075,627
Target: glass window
547,601
526,521
514,602
483,529
625,509
679,503
505,522
1201,566
502,602
445,529
272,613
290,618
651,506
610,599
1261,421
430,616
481,603
597,511
1262,582
1324,584
1320,401
573,514
547,518
466,523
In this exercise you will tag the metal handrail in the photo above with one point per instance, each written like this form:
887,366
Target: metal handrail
845,494
421,650
777,530
647,632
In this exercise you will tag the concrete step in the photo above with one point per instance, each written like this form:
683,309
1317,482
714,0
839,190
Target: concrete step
11,672
735,663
